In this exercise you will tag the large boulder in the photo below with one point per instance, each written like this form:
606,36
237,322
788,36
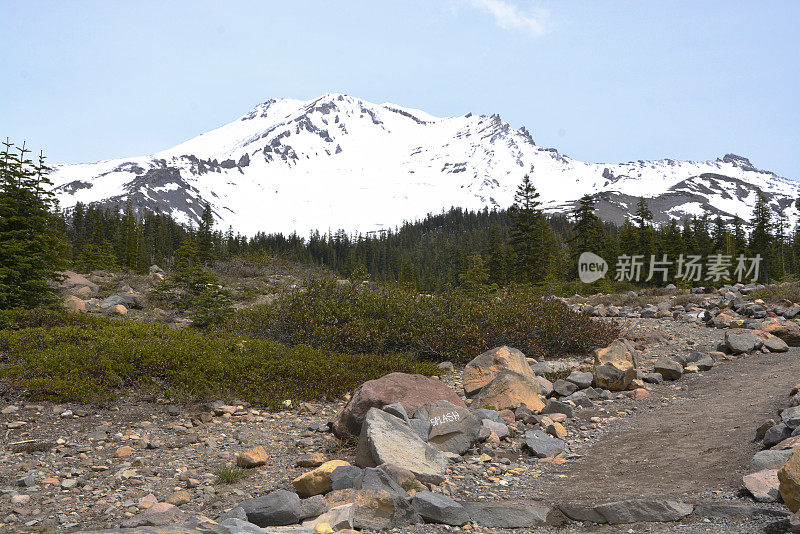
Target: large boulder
73,281
789,331
412,391
452,428
789,479
615,366
386,439
510,390
485,367
740,341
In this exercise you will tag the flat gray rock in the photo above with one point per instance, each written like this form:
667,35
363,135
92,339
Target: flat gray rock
278,508
542,445
770,459
643,511
581,379
668,369
345,477
498,515
733,510
776,434
562,388
436,508
791,416
554,406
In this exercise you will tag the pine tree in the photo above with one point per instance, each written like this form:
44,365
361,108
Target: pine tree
497,264
205,236
738,238
761,233
528,234
33,249
643,219
587,235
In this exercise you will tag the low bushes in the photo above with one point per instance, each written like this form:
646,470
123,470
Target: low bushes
77,359
454,326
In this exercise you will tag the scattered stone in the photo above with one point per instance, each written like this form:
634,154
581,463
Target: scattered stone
159,514
397,410
310,460
770,459
581,379
776,434
75,304
669,369
788,331
562,388
791,416
554,406
345,477
179,498
254,457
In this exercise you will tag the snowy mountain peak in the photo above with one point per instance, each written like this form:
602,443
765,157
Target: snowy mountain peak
341,162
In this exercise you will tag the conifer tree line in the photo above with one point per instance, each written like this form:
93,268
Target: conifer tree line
457,248
474,250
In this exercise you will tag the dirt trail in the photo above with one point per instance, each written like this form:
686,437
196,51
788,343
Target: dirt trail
700,442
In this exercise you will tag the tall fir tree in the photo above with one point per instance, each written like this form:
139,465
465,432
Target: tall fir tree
33,248
528,235
761,237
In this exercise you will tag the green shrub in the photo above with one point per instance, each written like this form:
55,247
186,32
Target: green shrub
779,292
455,326
102,358
229,474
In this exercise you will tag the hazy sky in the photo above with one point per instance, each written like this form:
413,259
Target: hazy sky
602,81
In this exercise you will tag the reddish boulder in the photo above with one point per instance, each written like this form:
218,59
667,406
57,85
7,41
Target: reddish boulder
73,280
412,391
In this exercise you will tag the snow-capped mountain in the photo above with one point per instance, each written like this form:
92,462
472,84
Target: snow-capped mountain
338,162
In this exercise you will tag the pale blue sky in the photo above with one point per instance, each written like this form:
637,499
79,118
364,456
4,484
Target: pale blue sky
599,80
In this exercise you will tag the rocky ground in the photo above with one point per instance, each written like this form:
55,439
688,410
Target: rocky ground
668,424
73,468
